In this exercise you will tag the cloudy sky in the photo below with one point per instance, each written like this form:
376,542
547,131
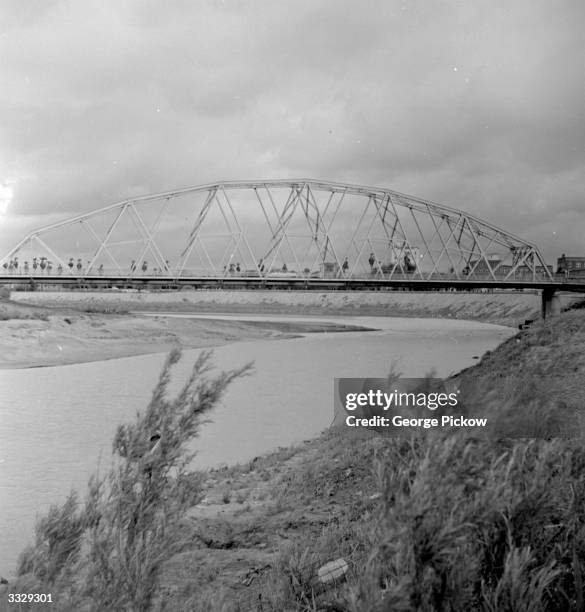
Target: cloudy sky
475,104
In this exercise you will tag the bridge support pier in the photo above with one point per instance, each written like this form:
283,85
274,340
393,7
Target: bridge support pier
550,304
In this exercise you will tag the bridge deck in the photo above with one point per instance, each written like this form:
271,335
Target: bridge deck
293,282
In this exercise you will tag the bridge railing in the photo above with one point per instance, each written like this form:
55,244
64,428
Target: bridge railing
111,273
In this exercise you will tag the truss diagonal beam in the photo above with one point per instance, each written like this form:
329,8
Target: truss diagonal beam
337,220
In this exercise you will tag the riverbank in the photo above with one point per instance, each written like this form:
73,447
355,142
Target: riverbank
409,521
58,328
502,308
55,334
265,528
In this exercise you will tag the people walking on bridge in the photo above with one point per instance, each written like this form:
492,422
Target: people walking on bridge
79,265
26,267
409,265
35,264
133,266
71,264
345,266
372,261
43,264
144,267
284,267
49,266
101,269
238,268
60,269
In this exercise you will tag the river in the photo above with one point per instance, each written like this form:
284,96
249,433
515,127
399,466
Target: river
58,422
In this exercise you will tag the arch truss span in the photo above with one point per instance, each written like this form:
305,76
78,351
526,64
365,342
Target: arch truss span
299,228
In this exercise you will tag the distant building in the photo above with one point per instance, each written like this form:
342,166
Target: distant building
480,267
329,269
501,270
570,265
525,271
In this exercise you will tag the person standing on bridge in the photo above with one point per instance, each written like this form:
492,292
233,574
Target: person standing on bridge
144,267
71,264
26,267
372,261
345,266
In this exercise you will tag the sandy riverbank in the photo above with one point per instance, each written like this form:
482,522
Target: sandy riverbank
57,328
504,308
37,336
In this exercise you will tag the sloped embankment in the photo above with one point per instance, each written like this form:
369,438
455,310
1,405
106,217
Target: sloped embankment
503,308
441,519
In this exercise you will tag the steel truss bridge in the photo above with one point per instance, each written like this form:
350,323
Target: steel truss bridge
280,233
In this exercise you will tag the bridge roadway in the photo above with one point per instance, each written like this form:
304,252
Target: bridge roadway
549,289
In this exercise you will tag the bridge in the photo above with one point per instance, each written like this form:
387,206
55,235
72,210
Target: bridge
299,233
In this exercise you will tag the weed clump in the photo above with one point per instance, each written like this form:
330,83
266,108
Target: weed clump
107,554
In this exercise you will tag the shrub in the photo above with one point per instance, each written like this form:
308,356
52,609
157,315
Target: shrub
130,524
57,542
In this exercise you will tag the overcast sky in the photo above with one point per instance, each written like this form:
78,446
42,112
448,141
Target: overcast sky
476,104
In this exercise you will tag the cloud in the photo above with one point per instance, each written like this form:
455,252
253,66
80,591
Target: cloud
477,105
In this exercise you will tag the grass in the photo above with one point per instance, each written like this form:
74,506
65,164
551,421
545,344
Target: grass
106,309
33,315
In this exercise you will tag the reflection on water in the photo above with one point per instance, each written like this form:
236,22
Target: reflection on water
58,422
